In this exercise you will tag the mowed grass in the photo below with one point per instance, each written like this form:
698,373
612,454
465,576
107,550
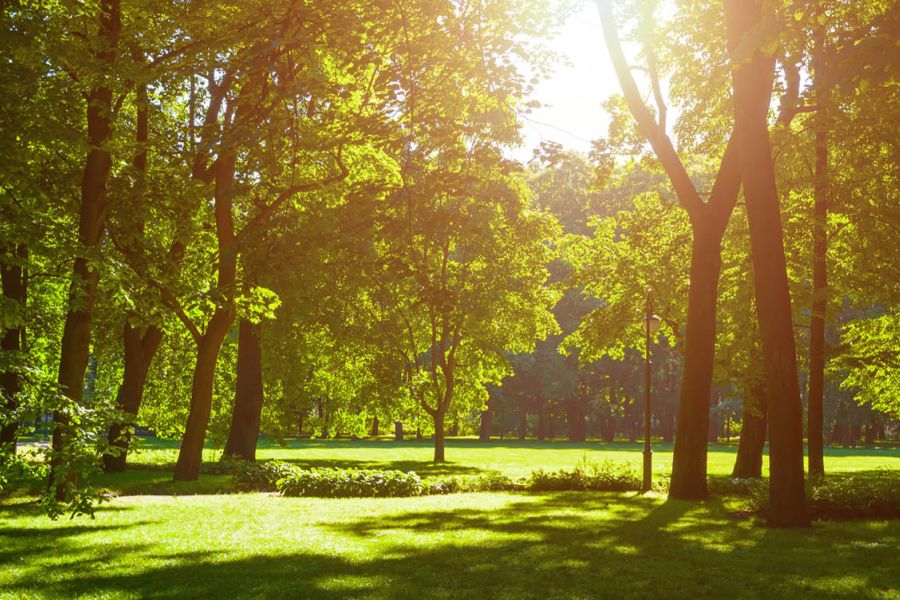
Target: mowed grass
499,545
464,457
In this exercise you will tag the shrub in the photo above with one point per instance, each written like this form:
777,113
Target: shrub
603,477
351,483
852,496
262,476
492,481
840,496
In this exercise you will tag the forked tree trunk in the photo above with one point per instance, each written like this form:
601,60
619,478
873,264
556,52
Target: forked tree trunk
248,398
752,89
187,468
14,279
815,406
76,338
139,349
748,463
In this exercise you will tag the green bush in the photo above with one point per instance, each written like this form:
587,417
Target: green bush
603,477
851,496
262,476
492,481
351,483
868,495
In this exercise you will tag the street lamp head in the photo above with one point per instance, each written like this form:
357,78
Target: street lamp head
651,323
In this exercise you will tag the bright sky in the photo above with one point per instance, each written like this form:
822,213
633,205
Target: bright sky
572,114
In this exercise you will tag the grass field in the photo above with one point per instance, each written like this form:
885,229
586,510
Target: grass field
464,457
497,545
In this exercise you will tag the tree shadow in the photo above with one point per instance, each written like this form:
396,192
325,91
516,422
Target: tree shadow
562,545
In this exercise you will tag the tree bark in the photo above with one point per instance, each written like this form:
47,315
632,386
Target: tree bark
523,424
14,279
139,349
748,463
248,398
398,431
484,430
187,468
576,421
752,81
375,423
815,405
76,339
438,417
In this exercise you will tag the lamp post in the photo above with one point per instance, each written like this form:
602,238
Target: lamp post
651,324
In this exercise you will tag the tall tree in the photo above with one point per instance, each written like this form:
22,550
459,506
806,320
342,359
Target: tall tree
75,345
708,219
753,74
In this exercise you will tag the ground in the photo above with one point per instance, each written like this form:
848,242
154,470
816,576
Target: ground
499,545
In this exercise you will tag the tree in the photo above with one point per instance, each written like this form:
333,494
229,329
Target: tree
752,73
708,221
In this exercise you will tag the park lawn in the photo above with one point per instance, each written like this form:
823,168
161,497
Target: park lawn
512,457
497,545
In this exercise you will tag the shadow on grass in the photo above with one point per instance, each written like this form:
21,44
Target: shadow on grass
551,546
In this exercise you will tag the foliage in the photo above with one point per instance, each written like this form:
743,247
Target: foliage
350,483
263,476
607,476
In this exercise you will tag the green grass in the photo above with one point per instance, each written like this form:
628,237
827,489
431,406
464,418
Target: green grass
565,545
185,540
514,458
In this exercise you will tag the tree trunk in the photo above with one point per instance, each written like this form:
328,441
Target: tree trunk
484,431
871,428
609,429
438,436
398,431
692,422
187,468
753,436
752,91
815,407
248,398
523,424
76,339
139,351
576,421
542,425
375,432
14,279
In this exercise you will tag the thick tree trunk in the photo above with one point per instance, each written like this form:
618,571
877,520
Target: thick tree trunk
76,339
248,398
523,424
484,430
438,417
692,423
871,429
14,280
752,88
753,436
815,408
139,351
398,431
